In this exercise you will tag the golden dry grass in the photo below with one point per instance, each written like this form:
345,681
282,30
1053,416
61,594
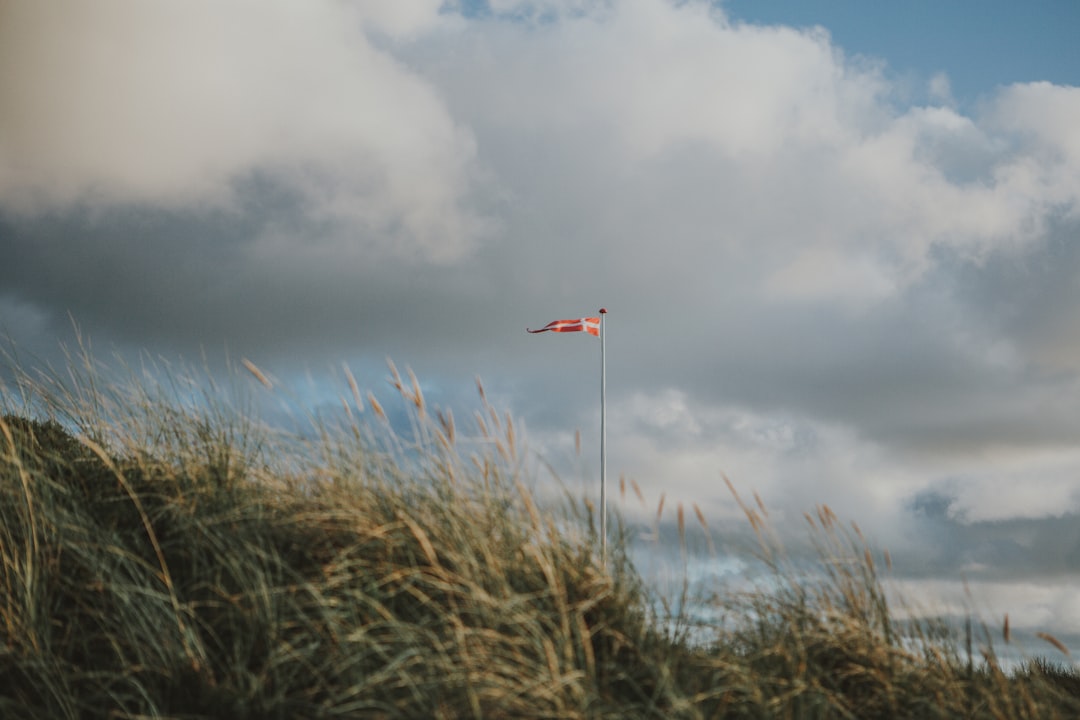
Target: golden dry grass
166,555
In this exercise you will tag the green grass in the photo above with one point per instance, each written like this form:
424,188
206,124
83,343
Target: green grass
164,554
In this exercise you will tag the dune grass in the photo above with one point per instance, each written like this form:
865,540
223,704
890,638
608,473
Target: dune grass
164,554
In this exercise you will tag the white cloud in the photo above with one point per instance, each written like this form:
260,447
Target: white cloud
174,104
400,19
661,75
1013,483
833,275
1046,115
1031,606
770,137
940,89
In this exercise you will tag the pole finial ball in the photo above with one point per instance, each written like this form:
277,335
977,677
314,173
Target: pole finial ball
603,311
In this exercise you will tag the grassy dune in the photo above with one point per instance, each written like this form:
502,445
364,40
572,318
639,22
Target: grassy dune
166,555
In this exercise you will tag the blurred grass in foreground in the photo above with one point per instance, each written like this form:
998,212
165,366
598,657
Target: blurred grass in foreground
164,554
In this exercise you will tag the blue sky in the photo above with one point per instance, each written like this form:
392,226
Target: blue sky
979,45
840,266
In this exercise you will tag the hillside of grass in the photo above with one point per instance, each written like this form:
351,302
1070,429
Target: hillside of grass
164,554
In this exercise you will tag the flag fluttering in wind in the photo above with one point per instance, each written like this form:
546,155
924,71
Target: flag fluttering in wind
593,326
590,325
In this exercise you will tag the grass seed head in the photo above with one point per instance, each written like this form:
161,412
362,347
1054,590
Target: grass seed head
257,373
1053,641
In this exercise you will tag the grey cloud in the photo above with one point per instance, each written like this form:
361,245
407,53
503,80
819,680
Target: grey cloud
997,550
1030,294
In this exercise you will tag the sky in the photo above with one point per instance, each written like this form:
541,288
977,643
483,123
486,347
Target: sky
837,240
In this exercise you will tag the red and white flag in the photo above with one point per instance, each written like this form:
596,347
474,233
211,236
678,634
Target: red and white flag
593,326
590,325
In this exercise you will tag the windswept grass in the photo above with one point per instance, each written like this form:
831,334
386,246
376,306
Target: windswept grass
166,555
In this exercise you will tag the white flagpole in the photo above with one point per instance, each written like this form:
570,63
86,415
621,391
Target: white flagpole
603,444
